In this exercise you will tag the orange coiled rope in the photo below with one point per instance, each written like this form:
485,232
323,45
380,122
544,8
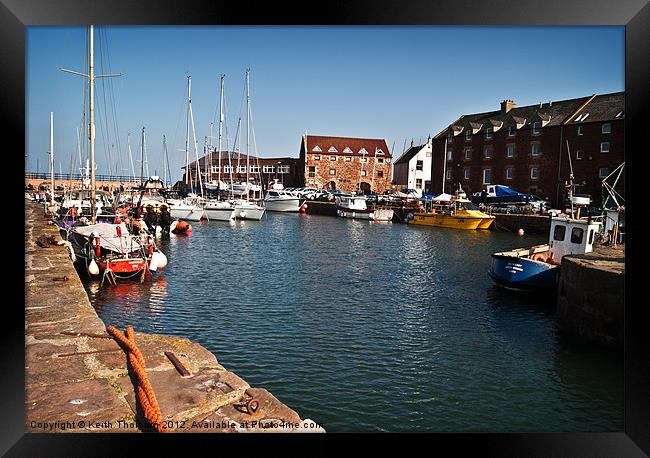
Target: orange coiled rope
144,392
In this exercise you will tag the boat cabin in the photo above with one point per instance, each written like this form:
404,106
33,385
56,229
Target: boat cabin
571,236
352,202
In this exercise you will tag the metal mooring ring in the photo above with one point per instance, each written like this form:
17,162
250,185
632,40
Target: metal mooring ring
252,405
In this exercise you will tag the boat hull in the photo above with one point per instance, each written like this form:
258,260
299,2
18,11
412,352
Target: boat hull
523,274
378,215
451,222
283,205
254,213
220,214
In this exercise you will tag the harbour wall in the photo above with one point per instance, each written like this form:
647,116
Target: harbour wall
590,296
533,224
78,379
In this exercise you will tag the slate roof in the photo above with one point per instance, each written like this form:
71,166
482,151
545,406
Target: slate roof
409,153
602,108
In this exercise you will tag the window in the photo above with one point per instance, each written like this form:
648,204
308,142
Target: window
468,154
510,150
535,149
606,128
363,173
449,174
332,171
379,152
216,169
580,130
468,135
509,172
380,173
380,160
227,169
317,158
603,172
576,234
364,159
363,151
604,147
449,155
450,137
347,150
487,176
537,126
255,168
488,133
271,169
534,173
591,236
418,165
312,172
332,150
466,173
512,131
241,169
559,232
317,149
418,183
487,152
283,169
580,155
347,159
333,158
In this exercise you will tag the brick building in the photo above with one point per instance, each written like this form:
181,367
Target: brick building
525,148
346,164
286,169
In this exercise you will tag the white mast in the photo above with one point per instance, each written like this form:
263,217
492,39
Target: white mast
128,140
196,145
52,154
221,129
248,128
188,179
91,124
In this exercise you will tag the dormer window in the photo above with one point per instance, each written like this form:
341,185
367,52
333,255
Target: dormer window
537,128
332,150
363,151
582,117
379,152
488,133
317,149
347,150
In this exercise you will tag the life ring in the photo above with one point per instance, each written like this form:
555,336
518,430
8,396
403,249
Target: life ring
539,257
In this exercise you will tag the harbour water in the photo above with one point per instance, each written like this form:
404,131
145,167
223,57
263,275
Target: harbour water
374,327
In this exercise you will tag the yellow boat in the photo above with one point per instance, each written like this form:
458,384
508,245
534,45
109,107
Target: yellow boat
454,216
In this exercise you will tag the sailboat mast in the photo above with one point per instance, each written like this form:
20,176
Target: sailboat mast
128,141
248,129
142,159
52,154
91,127
221,126
187,135
444,166
165,164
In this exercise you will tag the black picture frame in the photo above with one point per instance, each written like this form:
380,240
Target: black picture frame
16,15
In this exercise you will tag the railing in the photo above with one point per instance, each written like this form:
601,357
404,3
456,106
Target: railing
79,177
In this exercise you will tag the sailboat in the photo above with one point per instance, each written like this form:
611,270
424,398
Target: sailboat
109,249
247,208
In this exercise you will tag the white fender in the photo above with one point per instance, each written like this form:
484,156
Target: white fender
158,261
93,268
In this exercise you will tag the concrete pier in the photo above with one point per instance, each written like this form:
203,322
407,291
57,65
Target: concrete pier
590,296
77,378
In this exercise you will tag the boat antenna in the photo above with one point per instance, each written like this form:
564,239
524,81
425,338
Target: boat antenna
570,185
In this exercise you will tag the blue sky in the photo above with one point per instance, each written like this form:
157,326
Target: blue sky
397,83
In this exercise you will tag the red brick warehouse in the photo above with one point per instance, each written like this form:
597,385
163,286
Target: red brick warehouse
525,148
346,164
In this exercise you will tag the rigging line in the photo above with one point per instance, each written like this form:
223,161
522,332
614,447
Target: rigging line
107,148
178,123
112,100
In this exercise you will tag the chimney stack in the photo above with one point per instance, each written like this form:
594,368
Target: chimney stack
507,105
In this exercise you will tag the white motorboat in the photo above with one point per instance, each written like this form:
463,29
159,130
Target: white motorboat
188,209
357,207
281,201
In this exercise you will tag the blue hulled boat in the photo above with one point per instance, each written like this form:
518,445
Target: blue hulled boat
537,267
